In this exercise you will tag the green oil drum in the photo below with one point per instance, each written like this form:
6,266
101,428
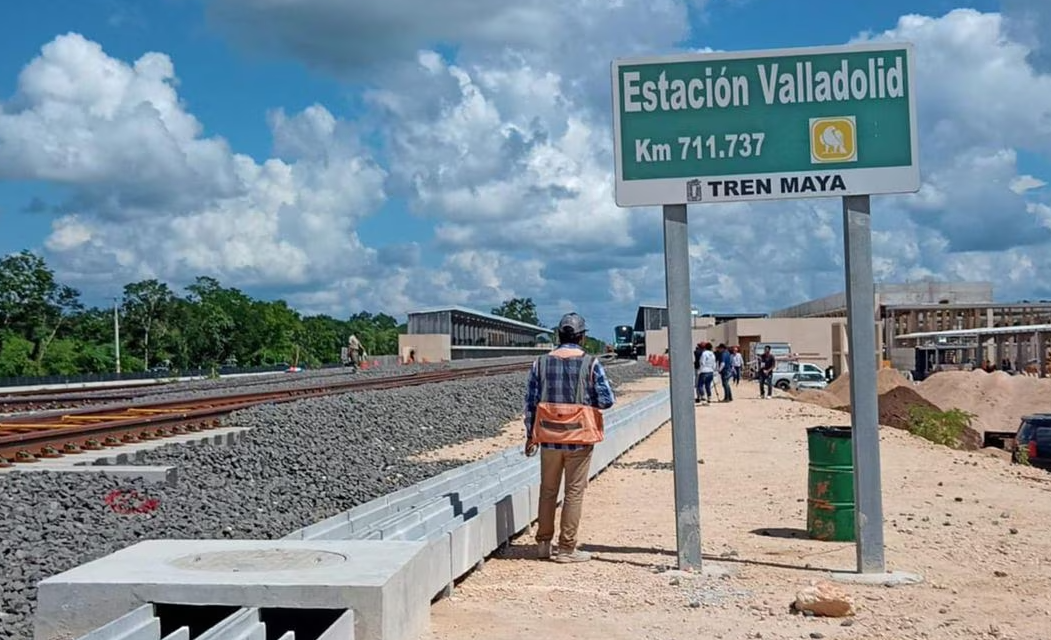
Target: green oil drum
830,485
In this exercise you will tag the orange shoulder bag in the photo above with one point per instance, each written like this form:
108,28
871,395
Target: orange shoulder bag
562,423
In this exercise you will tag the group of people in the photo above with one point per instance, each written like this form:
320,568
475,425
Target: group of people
726,362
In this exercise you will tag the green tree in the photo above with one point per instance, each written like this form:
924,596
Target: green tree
146,309
521,309
33,304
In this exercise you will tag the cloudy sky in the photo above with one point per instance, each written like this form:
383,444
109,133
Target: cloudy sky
353,154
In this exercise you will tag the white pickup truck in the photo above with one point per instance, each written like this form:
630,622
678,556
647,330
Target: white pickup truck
784,371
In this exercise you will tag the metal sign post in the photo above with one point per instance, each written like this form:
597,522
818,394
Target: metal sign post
770,125
683,418
864,402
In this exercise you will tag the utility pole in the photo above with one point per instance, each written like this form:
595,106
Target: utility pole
116,332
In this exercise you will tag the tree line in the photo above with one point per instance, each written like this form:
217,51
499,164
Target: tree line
524,310
45,328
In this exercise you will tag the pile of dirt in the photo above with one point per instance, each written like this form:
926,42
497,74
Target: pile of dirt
894,411
998,400
886,380
894,407
820,398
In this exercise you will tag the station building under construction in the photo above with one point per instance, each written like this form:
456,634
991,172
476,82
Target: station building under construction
921,327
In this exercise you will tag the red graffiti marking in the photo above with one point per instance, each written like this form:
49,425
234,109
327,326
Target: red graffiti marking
129,502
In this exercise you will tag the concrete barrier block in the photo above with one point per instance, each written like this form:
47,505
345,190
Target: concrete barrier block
436,570
466,546
512,514
149,474
385,583
365,515
321,530
488,528
512,480
404,499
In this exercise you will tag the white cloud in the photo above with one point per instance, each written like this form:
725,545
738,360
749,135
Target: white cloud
1022,184
153,197
505,147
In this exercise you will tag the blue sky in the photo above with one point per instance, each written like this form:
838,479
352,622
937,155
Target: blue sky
394,178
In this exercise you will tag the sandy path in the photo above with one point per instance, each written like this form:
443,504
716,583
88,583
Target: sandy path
972,525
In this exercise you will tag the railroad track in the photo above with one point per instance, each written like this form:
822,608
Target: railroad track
53,434
56,399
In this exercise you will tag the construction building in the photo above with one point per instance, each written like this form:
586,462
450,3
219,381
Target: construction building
458,333
928,326
921,327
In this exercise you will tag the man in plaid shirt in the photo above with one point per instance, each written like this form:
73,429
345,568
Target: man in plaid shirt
560,381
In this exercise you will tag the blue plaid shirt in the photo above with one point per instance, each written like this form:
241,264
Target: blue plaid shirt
561,390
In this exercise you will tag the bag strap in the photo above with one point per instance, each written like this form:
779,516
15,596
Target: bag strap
588,362
541,365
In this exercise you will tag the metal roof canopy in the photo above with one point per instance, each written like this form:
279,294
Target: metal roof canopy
483,316
934,306
984,331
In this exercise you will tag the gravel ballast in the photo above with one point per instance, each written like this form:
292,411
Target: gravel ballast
193,389
301,462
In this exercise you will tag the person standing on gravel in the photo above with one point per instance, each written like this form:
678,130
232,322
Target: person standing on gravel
564,395
738,362
354,350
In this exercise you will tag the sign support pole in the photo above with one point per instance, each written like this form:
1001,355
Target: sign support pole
683,418
864,402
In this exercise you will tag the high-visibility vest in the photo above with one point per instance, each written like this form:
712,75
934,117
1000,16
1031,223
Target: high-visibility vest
567,423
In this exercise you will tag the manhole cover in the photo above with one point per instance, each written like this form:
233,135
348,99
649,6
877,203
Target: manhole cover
259,560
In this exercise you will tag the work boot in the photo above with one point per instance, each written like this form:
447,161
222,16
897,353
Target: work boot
543,550
575,555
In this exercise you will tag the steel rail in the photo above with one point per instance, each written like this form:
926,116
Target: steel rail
26,438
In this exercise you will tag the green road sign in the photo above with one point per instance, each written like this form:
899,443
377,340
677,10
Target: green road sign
765,125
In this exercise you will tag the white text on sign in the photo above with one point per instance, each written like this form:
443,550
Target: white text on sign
731,145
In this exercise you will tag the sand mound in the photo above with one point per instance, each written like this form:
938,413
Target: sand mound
998,399
897,395
820,398
886,380
894,407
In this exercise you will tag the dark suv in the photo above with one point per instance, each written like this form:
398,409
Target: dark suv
1034,438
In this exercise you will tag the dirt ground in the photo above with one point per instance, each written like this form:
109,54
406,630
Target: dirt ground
971,524
513,433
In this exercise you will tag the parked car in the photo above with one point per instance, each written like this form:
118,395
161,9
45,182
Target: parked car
784,372
808,380
1034,439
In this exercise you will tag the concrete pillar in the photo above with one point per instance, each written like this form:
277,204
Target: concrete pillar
1041,345
890,330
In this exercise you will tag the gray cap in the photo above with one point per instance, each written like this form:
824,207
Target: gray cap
572,322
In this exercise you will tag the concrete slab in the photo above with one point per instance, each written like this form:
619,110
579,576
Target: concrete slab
386,583
465,546
512,514
437,574
888,579
129,454
154,475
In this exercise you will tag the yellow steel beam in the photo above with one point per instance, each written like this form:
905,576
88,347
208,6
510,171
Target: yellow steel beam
97,418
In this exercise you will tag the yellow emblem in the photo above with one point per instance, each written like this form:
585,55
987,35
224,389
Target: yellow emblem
833,140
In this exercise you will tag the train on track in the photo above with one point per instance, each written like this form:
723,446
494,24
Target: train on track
627,342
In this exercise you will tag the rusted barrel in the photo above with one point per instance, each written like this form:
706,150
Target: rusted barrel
830,496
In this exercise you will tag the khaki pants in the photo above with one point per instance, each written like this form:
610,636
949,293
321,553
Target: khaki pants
576,465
